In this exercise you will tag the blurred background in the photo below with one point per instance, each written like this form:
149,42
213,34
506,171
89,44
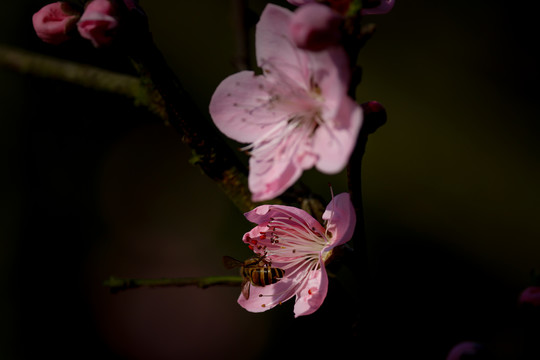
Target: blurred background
93,187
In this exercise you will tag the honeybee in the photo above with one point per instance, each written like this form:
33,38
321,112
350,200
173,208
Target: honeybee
256,271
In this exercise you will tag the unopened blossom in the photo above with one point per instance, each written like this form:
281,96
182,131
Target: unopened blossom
315,27
98,22
294,116
384,7
54,22
290,239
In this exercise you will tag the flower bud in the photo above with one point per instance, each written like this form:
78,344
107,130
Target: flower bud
315,27
98,22
54,22
374,116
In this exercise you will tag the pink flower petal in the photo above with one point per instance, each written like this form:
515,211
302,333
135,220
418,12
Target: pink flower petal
334,141
312,294
269,180
270,176
265,298
274,46
241,107
341,218
315,27
262,214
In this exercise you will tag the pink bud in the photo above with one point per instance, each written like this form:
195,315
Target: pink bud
98,22
315,27
53,22
530,295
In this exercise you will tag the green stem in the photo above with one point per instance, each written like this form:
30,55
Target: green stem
91,77
119,284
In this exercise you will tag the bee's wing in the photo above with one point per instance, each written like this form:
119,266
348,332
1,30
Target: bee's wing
246,284
230,262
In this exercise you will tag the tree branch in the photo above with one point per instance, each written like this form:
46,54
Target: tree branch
26,62
119,284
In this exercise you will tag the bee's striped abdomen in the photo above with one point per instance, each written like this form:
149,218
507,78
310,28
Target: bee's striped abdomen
264,275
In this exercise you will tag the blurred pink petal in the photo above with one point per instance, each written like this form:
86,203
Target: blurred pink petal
54,22
291,239
315,27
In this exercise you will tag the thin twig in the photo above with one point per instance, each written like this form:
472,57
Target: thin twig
119,284
240,26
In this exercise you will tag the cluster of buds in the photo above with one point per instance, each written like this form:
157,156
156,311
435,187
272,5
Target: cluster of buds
57,22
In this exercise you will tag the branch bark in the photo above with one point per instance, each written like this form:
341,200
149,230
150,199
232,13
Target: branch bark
119,284
88,76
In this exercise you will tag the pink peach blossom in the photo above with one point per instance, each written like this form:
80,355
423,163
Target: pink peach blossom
295,115
98,22
54,22
315,27
292,240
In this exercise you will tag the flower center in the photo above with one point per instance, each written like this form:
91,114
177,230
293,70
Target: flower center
294,242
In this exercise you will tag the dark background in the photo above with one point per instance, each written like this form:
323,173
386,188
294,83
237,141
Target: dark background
93,187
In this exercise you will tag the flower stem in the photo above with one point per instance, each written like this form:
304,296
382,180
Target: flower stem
119,284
